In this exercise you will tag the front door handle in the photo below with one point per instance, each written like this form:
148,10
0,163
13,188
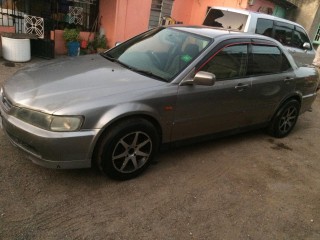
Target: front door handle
240,87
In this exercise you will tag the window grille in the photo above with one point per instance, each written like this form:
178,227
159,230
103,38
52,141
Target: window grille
159,9
317,36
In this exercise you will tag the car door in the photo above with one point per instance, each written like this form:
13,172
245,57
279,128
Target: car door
273,79
302,54
205,110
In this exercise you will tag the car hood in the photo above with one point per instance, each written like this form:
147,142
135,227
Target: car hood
48,86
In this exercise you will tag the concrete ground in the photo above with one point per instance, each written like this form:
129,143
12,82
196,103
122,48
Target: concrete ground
248,186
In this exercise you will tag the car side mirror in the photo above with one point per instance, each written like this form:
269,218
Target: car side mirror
200,78
204,78
306,46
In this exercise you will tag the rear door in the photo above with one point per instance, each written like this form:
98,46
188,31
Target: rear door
301,55
273,79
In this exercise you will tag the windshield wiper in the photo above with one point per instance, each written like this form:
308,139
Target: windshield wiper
144,72
112,59
109,57
147,73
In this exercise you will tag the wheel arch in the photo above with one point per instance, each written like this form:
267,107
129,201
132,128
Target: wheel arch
295,96
120,119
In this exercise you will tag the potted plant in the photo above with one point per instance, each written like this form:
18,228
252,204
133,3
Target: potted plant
100,43
72,37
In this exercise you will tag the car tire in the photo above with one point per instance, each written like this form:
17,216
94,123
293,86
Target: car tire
285,119
127,149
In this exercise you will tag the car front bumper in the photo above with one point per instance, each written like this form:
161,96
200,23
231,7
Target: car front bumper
50,149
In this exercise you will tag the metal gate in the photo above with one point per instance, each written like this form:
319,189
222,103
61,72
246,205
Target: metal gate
40,17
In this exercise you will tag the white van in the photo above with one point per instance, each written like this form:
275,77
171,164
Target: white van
290,34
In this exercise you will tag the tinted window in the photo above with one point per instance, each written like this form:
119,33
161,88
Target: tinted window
267,60
225,19
299,38
230,62
264,27
283,33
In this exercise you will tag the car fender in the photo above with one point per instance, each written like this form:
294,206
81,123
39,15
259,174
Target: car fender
135,109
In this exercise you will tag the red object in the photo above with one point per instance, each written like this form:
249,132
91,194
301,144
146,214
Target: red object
84,44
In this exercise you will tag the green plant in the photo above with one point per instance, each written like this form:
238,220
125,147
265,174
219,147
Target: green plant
71,35
99,42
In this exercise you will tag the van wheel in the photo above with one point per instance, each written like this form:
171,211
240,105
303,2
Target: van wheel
128,149
285,119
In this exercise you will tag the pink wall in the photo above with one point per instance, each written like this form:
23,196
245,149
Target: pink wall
182,10
260,3
7,29
123,19
108,19
137,16
60,44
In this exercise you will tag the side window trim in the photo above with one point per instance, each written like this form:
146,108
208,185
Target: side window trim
272,27
220,48
251,59
300,29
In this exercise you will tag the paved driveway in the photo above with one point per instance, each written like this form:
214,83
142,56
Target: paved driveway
248,186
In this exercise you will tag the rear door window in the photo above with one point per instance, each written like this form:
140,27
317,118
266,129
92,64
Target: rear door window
283,33
226,19
228,63
264,27
267,60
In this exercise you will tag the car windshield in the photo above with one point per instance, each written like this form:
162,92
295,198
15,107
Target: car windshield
160,53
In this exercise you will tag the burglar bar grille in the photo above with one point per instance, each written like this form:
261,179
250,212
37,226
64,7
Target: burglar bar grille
159,9
10,16
55,13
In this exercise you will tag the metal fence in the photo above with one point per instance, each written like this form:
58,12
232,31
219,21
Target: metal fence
56,14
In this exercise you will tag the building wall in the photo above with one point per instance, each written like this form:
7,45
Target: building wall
123,19
308,15
107,10
258,4
182,10
316,22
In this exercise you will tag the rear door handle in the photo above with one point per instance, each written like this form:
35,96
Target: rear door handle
240,87
288,79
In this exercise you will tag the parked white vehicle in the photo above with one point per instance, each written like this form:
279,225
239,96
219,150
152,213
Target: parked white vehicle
290,34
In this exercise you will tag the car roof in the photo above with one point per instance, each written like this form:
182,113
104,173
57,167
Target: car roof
215,33
257,14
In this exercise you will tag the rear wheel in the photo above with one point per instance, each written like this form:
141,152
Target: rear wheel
127,150
285,119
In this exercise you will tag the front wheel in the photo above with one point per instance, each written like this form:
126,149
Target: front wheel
127,149
285,119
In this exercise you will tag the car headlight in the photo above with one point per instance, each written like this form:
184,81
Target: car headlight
49,122
65,124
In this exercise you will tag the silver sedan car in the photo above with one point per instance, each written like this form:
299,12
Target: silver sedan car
164,86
